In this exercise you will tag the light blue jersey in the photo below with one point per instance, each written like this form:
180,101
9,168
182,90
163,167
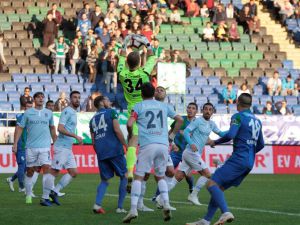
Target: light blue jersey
37,123
197,132
68,118
151,116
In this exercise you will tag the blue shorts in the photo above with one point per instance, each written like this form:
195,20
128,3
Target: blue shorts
111,166
232,173
176,158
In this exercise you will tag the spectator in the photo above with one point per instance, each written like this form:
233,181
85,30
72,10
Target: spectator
25,98
49,30
86,10
204,11
208,33
175,16
90,36
127,11
234,33
268,109
252,7
221,32
59,50
175,57
162,16
229,11
122,3
96,16
229,95
2,57
111,71
112,8
297,83
254,25
245,18
91,61
243,89
79,36
147,32
142,7
110,18
219,15
61,103
124,30
75,56
105,37
157,50
289,87
56,16
286,9
50,105
193,9
99,29
84,25
88,104
274,84
283,109
99,45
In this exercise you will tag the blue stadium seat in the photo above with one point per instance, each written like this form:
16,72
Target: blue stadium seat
258,90
14,96
9,86
49,87
3,97
21,86
219,88
58,78
83,97
207,90
5,106
283,72
72,79
221,109
17,78
89,87
257,109
45,78
180,109
264,99
77,87
36,87
232,108
296,110
263,80
255,100
63,87
200,99
278,99
188,98
16,106
291,100
53,96
190,81
214,81
295,73
201,81
31,78
288,64
195,89
195,71
174,99
213,99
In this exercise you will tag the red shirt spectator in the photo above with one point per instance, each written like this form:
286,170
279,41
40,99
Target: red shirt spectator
193,8
147,32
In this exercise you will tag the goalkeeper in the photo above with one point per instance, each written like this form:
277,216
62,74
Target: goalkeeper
132,75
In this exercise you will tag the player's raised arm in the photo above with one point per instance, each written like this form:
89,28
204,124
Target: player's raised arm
117,128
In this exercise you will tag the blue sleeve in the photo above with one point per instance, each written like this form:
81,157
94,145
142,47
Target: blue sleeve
260,142
233,130
190,128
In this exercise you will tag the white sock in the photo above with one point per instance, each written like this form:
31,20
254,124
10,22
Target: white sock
200,184
172,183
46,189
141,198
64,181
34,179
168,180
135,194
28,185
163,189
49,183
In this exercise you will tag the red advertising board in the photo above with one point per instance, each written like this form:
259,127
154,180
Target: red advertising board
286,159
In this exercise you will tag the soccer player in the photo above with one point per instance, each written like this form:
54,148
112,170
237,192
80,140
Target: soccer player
40,129
132,77
246,132
108,142
197,135
63,156
151,117
20,156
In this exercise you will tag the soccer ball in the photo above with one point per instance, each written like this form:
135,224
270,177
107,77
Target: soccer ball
135,41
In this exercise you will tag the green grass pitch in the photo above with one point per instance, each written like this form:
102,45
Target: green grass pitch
260,200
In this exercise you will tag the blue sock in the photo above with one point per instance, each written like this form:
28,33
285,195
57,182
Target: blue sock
15,176
122,191
218,196
211,210
190,181
101,192
157,193
21,174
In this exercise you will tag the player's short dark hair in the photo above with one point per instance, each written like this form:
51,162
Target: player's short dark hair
73,93
207,104
37,94
49,101
26,88
133,59
229,83
97,101
245,100
194,104
148,90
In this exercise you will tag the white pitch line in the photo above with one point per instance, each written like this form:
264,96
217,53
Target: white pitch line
231,207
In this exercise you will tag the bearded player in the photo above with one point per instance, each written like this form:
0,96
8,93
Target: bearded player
132,75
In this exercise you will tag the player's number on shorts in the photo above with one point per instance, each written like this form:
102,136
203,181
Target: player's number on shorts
159,116
254,124
101,125
130,87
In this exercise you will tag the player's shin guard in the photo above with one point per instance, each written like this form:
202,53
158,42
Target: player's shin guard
101,192
28,185
64,181
211,210
218,196
122,191
135,194
130,160
141,197
163,188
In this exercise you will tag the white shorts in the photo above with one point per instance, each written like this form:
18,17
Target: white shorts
63,158
191,161
37,157
170,161
155,155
